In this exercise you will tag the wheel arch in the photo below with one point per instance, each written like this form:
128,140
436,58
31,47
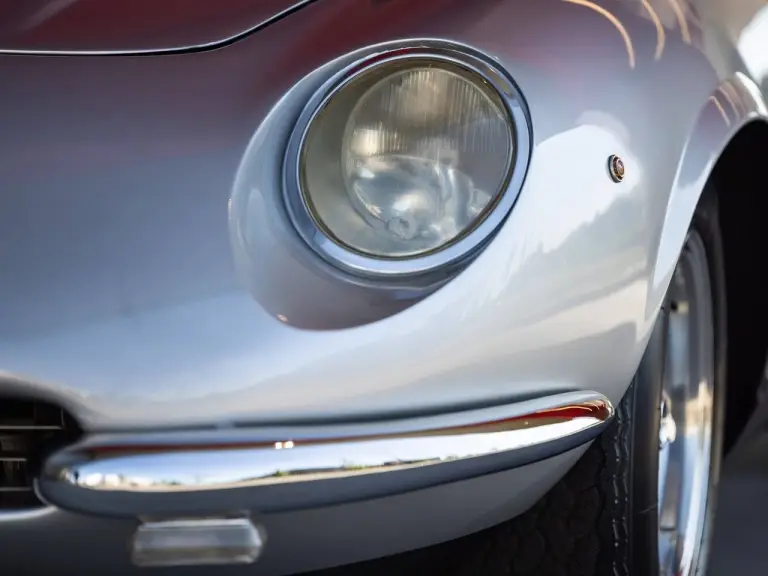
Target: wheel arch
724,147
743,210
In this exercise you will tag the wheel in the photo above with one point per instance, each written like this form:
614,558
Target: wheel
642,498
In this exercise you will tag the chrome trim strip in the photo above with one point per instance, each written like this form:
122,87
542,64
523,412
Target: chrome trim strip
470,242
145,472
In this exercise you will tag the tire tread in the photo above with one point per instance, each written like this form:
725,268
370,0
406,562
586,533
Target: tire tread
581,527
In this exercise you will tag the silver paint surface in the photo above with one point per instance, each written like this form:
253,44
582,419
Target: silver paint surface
69,27
120,297
124,297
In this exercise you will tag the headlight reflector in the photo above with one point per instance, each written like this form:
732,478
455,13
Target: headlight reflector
405,158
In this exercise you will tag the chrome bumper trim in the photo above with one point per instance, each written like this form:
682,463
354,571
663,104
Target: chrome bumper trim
272,468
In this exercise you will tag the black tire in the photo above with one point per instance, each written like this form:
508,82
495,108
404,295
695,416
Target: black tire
601,519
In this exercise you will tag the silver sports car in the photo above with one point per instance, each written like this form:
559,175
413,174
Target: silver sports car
293,284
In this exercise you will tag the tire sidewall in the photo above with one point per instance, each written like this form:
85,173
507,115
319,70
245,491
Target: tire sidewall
647,390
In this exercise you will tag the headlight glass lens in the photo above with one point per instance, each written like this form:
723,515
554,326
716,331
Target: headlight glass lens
406,158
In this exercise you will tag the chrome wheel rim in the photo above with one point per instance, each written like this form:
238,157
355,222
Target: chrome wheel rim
685,430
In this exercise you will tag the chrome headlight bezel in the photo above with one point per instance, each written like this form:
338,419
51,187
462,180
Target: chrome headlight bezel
314,232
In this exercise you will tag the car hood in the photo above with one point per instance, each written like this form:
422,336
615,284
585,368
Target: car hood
130,26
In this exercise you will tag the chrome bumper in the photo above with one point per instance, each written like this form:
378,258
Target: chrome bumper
186,473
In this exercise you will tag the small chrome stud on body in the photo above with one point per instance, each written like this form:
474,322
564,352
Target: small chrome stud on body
616,168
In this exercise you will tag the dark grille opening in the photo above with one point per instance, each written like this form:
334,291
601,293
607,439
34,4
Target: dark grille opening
29,430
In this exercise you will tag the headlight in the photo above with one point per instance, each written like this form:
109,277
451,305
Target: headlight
402,159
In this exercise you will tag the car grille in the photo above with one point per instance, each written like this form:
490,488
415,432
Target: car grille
28,430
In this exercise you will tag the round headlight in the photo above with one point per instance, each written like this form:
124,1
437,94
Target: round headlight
405,158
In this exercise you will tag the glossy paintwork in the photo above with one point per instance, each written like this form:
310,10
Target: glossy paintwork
120,26
120,297
142,288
